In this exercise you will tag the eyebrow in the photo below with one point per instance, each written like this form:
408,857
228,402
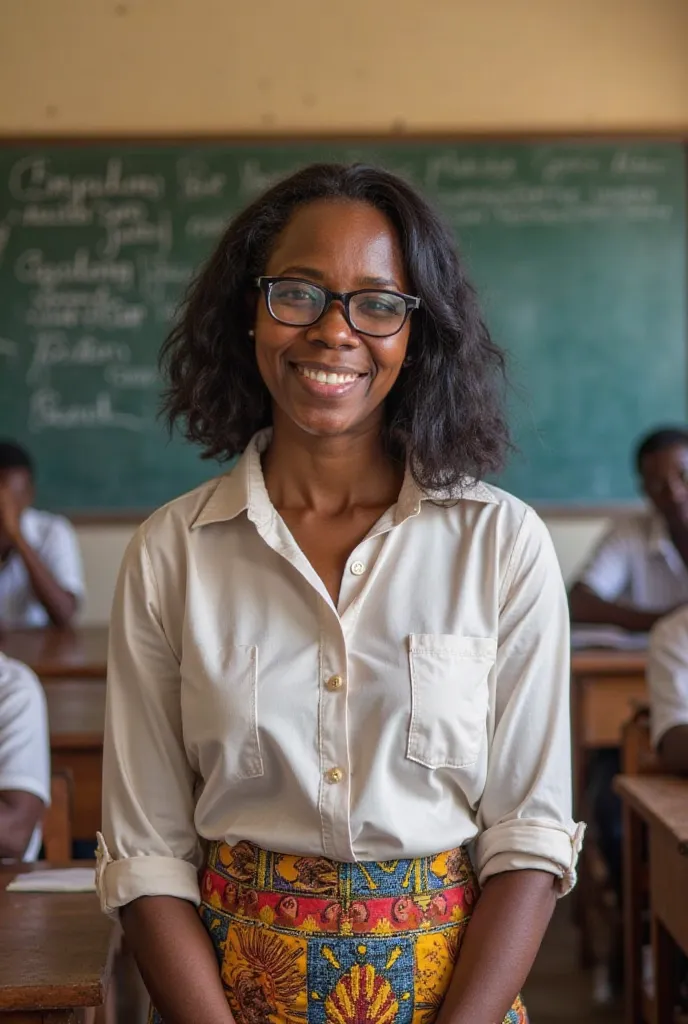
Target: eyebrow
375,282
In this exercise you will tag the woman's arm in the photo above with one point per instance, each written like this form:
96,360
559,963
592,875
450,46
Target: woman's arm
526,848
149,854
176,959
501,943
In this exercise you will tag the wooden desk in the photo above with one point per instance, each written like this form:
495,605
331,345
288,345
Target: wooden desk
55,654
76,716
56,954
660,805
606,687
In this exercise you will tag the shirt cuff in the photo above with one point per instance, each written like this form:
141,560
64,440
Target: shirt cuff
659,727
26,784
526,844
119,882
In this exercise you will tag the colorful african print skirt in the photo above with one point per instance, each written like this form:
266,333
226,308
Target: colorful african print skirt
306,940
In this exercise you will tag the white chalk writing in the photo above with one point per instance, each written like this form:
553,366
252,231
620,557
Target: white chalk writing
32,268
53,348
8,348
132,376
47,411
205,226
97,308
32,180
197,182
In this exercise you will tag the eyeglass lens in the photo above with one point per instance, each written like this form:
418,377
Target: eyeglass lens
374,312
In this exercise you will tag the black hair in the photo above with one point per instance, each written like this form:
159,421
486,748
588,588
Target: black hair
446,408
13,456
658,441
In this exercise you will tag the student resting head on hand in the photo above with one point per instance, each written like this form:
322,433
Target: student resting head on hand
639,571
41,577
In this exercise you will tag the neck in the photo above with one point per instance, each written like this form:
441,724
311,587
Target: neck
329,475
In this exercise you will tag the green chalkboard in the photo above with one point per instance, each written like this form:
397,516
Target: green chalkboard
578,249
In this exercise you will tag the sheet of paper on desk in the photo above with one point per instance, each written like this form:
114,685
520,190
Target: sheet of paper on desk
55,880
607,636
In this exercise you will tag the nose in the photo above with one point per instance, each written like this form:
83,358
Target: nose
332,329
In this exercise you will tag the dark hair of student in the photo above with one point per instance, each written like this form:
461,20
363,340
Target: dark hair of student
13,456
658,441
445,410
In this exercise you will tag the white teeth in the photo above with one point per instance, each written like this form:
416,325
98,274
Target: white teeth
327,378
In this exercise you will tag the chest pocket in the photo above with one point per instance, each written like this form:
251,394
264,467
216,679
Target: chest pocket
220,688
449,698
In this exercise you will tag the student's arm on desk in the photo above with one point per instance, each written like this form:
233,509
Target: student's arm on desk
588,608
673,750
20,812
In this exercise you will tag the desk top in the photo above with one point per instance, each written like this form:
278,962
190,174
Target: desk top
606,662
56,949
659,800
55,653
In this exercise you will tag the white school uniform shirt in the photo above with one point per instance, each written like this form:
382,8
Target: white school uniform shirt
426,709
667,674
637,563
54,540
24,743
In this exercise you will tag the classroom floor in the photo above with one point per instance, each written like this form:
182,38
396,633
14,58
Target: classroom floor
557,990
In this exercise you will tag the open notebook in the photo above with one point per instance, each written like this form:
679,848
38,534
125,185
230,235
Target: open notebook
607,636
55,880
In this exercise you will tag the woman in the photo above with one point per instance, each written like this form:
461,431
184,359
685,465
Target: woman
337,666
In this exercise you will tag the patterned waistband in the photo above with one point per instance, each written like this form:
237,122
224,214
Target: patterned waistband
314,894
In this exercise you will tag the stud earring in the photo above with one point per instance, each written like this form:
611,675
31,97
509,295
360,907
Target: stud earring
251,334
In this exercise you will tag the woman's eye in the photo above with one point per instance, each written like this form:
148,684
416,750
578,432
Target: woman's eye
296,295
379,307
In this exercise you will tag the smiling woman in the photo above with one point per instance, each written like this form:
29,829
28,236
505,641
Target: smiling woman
338,666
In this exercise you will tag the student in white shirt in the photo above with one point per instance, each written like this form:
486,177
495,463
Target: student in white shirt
639,571
344,656
24,761
667,673
41,576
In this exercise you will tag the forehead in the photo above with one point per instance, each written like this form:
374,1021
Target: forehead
666,460
339,235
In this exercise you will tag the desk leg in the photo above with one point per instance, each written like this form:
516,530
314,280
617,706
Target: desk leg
663,953
632,912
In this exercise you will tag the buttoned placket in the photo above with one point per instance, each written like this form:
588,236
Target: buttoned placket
337,625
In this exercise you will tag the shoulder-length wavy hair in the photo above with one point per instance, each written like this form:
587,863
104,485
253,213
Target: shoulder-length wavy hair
445,412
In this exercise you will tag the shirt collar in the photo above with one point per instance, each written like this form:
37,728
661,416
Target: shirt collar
243,490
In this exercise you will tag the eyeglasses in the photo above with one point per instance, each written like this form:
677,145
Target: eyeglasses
298,303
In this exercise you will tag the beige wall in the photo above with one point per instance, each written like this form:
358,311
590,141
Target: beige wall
240,65
177,66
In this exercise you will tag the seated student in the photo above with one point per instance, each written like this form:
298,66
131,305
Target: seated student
667,673
639,572
41,578
24,761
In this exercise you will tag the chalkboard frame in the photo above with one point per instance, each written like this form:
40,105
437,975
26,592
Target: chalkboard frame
396,134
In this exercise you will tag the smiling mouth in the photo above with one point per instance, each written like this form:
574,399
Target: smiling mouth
327,377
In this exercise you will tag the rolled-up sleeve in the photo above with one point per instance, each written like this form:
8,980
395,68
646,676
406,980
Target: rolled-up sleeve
148,845
525,811
667,673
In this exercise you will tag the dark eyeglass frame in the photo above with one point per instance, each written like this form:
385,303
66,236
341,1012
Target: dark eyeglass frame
266,285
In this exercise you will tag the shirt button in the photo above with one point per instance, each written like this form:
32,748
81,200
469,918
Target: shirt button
357,568
334,775
334,683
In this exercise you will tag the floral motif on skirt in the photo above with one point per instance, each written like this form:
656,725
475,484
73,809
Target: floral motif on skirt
307,940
